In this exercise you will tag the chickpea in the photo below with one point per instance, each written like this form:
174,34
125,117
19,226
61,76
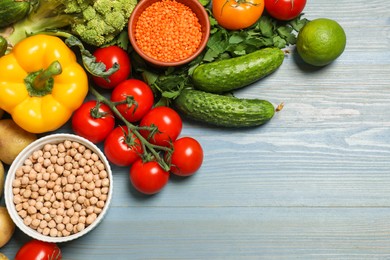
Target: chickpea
19,173
81,149
25,181
27,220
44,210
33,175
46,231
60,227
52,160
82,162
17,199
58,219
91,218
18,207
15,191
35,223
53,232
46,155
103,174
93,200
80,227
43,224
60,161
31,210
22,213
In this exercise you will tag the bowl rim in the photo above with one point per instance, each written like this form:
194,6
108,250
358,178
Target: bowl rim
141,6
38,144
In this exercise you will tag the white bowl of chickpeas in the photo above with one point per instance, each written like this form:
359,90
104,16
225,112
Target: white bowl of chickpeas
58,188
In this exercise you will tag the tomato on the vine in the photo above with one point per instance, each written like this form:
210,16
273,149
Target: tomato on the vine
237,14
148,177
93,121
109,56
121,147
168,123
139,96
285,9
38,250
187,156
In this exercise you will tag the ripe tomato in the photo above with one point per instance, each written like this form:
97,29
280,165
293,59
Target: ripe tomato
237,14
148,177
167,121
284,9
109,56
141,95
187,156
38,250
122,148
93,121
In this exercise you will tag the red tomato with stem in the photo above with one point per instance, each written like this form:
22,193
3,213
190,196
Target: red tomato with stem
148,177
93,121
285,9
237,14
138,96
121,147
38,250
168,123
109,56
187,156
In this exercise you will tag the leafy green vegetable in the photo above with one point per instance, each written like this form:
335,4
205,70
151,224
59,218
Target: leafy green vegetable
96,22
224,44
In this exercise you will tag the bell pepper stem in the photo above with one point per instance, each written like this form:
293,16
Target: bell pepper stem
46,74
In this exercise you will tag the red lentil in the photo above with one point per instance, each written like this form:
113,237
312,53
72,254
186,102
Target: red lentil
168,31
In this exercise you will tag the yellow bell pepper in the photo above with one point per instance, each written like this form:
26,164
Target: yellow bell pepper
41,83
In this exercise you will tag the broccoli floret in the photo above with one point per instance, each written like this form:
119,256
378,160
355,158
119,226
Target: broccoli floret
96,22
103,20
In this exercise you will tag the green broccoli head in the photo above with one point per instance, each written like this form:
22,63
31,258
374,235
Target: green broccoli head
102,20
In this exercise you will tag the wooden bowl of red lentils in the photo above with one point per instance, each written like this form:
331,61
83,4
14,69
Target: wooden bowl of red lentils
58,188
168,33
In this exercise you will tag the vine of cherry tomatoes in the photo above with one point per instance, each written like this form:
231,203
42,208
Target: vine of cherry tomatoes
134,133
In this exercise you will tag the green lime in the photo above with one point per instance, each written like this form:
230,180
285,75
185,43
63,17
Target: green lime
321,41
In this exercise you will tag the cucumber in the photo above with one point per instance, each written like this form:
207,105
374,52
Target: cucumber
221,110
12,11
226,75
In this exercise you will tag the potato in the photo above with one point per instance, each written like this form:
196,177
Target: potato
3,257
13,139
1,179
7,226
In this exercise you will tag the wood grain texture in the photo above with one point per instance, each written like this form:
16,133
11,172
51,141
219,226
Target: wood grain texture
313,183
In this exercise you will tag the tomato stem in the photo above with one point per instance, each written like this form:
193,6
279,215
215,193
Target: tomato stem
146,145
239,2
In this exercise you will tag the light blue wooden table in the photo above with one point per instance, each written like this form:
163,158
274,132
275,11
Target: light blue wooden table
314,183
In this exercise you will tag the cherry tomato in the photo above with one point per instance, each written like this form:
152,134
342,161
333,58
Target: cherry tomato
167,121
122,148
93,121
139,93
148,177
38,250
284,9
237,14
187,156
109,56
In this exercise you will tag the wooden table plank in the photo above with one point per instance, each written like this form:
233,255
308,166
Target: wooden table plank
313,183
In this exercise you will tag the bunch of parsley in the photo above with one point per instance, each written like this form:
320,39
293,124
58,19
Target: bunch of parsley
222,44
